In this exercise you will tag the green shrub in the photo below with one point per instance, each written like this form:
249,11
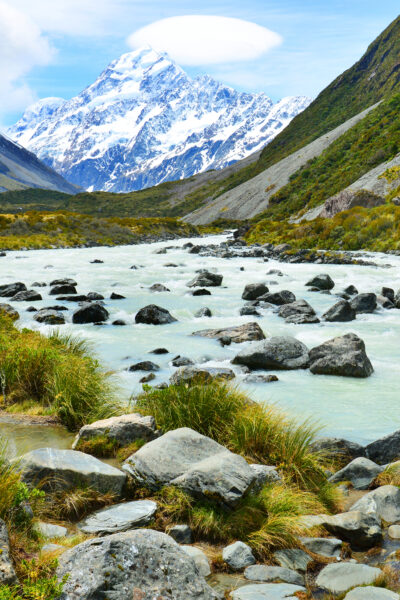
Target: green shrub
38,582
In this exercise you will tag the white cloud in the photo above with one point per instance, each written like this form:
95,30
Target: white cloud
22,47
205,40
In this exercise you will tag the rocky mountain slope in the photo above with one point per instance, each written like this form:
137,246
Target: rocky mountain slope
20,169
145,121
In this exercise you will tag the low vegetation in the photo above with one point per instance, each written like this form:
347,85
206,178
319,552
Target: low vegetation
374,229
56,375
36,229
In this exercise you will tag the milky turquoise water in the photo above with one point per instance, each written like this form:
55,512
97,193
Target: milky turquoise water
359,409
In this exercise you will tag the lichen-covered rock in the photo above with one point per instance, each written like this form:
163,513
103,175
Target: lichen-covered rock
123,429
9,311
49,317
140,565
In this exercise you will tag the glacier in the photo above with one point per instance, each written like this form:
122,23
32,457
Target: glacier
144,121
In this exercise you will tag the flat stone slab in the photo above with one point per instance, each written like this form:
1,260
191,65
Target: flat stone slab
66,469
371,593
294,558
324,546
267,573
338,578
119,517
268,591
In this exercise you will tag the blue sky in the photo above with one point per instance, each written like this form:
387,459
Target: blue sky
57,47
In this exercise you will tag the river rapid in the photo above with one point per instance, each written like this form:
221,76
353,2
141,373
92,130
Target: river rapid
358,409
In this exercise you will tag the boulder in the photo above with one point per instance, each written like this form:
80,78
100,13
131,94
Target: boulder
364,303
154,315
351,290
159,351
181,534
7,572
77,298
158,287
293,558
49,317
253,290
384,302
206,279
203,312
194,463
278,298
119,517
181,361
191,375
94,296
359,530
56,469
27,296
140,565
65,289
267,574
371,593
115,296
322,282
8,290
248,332
238,556
360,472
265,474
63,281
144,365
338,578
384,450
123,429
344,355
267,591
323,546
338,448
50,531
119,323
9,311
298,312
383,503
249,311
200,559
388,293
92,312
342,312
282,352
259,378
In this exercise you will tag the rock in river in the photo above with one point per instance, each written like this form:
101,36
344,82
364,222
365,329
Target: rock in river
90,312
8,290
119,517
27,296
49,317
384,503
140,565
344,355
154,315
206,279
322,282
9,311
253,290
194,463
242,333
282,352
298,312
385,449
191,375
66,469
342,311
364,303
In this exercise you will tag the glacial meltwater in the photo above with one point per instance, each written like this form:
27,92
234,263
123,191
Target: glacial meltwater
359,409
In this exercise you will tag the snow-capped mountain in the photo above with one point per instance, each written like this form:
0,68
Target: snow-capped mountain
145,121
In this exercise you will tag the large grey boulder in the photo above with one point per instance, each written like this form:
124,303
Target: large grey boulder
278,298
360,472
344,355
8,290
7,572
323,546
384,450
361,531
342,311
340,577
267,591
140,565
62,288
253,290
192,375
206,279
154,315
268,574
248,332
194,463
90,312
27,296
119,517
238,556
322,282
364,303
338,448
383,503
56,469
281,352
49,317
123,430
371,593
298,312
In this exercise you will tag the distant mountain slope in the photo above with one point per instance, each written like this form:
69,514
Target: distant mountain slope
144,121
20,169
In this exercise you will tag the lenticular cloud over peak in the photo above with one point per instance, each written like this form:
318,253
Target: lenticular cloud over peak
205,39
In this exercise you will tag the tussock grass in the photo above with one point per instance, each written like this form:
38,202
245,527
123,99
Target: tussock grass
59,374
390,476
74,504
260,433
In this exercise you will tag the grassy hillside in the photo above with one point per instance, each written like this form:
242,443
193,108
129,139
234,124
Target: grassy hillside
62,229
